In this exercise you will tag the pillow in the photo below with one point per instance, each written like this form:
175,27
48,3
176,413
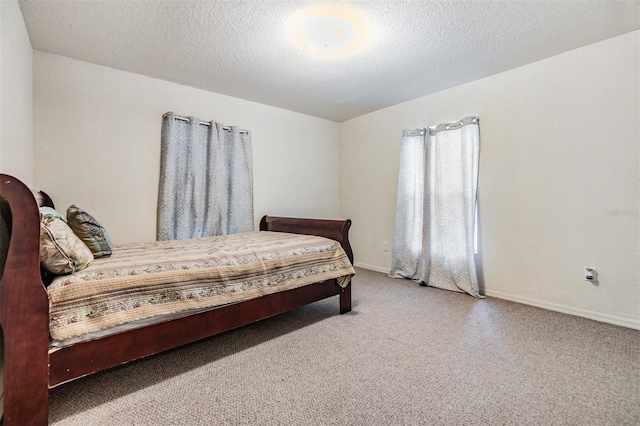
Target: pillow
90,231
48,211
61,251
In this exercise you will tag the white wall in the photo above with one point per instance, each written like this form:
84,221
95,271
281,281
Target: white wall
16,94
97,141
559,152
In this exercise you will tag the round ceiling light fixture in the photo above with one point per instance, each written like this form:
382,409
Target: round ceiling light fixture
330,31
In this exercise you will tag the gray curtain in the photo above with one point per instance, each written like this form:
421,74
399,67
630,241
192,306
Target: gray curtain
206,179
433,241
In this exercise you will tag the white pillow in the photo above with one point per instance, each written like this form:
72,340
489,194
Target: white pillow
61,251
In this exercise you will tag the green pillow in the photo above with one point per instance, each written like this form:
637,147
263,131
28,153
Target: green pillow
90,231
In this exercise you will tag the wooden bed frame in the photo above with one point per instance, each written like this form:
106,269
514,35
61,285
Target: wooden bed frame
31,367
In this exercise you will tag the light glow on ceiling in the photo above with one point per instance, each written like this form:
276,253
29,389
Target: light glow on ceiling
329,31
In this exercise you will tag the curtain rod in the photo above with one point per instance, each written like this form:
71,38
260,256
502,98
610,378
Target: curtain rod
432,130
206,123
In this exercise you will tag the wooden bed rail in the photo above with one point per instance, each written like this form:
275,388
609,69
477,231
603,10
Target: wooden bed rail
24,308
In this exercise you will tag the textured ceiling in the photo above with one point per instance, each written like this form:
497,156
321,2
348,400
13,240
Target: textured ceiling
242,48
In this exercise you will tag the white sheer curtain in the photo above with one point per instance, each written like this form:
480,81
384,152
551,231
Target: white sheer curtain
206,179
433,241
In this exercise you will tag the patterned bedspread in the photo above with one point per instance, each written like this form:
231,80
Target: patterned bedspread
149,279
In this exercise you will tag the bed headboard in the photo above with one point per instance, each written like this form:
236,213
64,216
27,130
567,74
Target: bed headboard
24,304
6,221
19,224
5,229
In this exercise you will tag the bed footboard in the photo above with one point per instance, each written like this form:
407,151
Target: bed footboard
334,229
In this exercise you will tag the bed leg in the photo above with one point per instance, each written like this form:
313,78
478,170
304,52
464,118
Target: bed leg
26,383
345,299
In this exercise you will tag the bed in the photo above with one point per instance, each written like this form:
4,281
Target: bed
34,361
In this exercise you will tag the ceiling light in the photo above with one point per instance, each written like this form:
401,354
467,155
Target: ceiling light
329,31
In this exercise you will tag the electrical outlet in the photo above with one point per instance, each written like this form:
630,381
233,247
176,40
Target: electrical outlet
386,246
590,274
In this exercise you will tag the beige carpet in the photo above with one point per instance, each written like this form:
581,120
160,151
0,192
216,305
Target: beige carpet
405,355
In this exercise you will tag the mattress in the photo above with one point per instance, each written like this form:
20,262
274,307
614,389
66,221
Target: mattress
143,281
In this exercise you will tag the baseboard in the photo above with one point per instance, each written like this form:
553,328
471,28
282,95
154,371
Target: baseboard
597,316
371,267
585,313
